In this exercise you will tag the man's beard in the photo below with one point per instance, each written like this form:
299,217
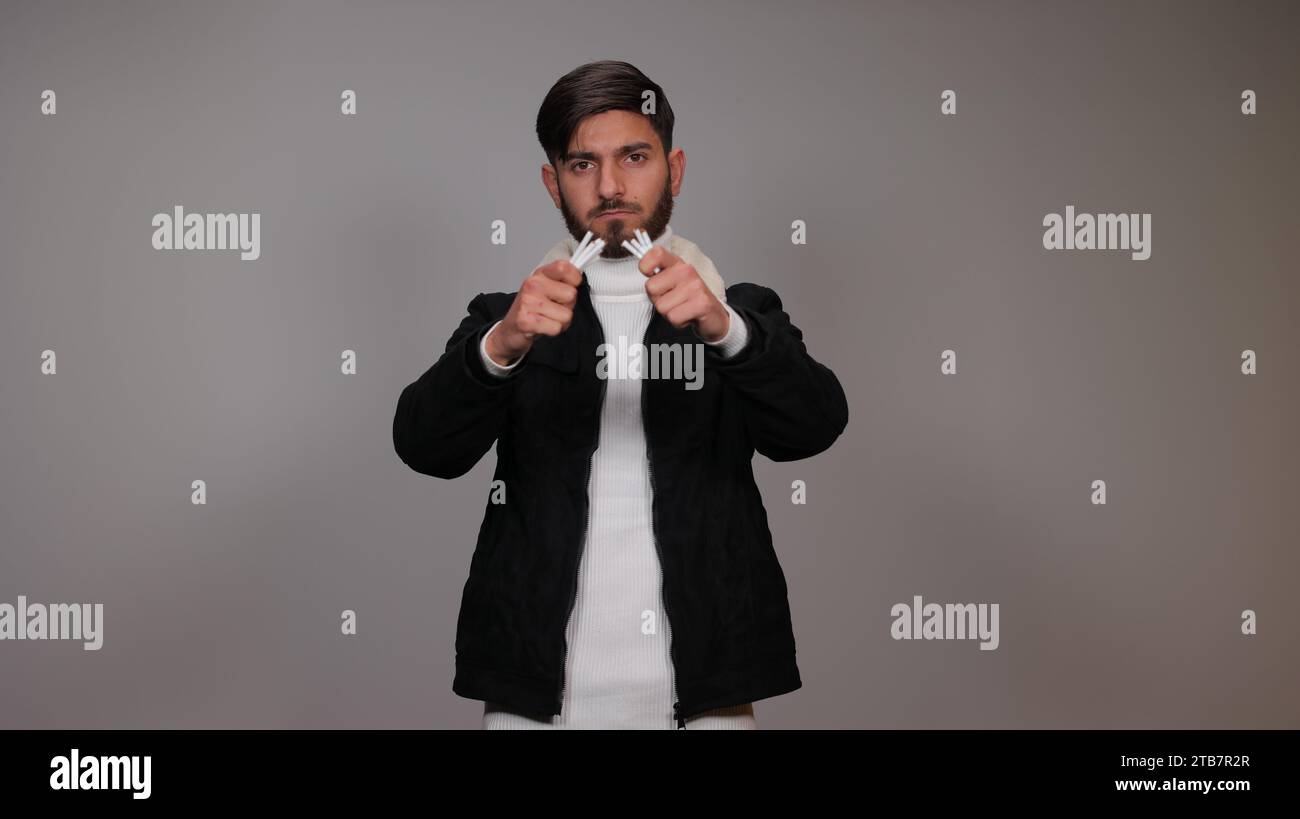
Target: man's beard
615,229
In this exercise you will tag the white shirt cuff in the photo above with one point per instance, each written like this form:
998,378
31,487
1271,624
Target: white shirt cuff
735,339
491,366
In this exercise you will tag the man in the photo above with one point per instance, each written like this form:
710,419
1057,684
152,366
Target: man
628,580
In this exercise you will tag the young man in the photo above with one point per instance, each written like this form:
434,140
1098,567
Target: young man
628,580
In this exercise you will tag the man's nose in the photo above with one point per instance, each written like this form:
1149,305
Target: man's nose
611,182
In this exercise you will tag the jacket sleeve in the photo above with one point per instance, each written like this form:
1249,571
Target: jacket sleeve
450,416
794,405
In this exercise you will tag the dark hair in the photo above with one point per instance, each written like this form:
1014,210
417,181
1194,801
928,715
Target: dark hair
605,85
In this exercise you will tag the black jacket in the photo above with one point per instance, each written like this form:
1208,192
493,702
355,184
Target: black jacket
724,591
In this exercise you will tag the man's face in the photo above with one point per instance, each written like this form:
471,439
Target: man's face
615,179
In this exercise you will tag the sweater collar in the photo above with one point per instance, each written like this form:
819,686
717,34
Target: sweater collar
620,277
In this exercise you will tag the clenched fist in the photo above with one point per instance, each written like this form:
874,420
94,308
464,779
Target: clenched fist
543,305
681,296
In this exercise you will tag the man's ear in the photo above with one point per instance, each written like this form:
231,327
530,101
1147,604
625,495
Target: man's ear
552,183
676,169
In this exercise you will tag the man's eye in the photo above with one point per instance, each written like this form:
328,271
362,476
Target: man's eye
576,164
643,156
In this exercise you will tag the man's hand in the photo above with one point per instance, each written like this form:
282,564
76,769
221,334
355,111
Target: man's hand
681,296
543,306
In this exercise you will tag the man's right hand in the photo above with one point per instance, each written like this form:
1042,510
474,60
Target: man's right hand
543,306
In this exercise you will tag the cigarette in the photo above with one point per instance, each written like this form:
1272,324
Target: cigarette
588,253
640,245
581,246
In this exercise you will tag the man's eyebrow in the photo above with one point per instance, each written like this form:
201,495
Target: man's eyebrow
625,150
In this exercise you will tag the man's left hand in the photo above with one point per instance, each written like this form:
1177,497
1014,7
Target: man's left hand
681,296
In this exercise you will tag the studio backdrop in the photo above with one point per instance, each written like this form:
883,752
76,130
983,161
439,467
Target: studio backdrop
1047,248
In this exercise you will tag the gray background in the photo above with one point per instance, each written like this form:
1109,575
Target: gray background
924,234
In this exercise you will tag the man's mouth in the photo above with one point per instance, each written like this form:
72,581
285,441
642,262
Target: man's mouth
615,213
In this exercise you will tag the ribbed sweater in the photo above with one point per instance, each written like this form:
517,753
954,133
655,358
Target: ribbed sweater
619,672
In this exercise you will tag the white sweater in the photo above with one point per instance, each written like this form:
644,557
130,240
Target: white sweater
620,672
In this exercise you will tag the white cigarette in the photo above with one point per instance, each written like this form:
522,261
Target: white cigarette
590,253
581,247
579,254
635,250
646,244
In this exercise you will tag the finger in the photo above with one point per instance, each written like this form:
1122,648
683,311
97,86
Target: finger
681,298
556,291
539,324
683,314
557,312
658,256
668,279
562,270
